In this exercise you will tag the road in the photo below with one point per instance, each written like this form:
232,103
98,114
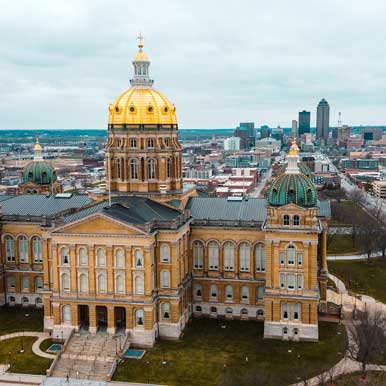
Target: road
256,193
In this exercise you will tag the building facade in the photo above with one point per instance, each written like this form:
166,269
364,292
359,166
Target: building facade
322,120
152,254
304,122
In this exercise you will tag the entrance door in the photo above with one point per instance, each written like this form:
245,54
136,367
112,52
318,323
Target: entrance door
83,317
120,319
101,316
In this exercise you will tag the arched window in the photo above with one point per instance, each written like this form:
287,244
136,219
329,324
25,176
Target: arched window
10,248
66,314
168,167
83,283
82,256
102,283
138,257
23,249
165,253
296,220
165,279
229,256
260,312
229,310
229,292
139,318
198,290
11,282
151,169
291,254
244,292
260,293
133,143
260,258
213,291
138,285
245,252
198,255
120,284
286,219
37,249
150,142
134,169
213,255
65,256
244,312
119,258
65,282
38,283
101,257
165,310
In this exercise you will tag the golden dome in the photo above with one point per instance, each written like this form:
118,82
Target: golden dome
142,106
37,145
294,150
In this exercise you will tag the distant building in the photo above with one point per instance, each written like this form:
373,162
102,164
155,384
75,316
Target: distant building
265,132
344,134
304,122
232,144
322,120
250,128
294,130
372,134
357,164
269,143
379,188
246,133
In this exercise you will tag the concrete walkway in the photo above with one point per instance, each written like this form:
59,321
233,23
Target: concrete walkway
361,256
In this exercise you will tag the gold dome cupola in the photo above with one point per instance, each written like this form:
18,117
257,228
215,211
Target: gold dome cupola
141,65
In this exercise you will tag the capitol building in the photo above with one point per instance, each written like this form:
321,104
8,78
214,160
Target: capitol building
152,253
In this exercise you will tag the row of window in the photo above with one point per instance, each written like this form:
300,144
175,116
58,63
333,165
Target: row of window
290,311
23,245
25,283
150,142
287,220
229,311
291,281
229,256
228,292
291,257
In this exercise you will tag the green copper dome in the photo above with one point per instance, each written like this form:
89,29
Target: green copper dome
39,172
292,188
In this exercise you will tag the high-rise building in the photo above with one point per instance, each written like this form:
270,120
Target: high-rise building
344,134
265,131
294,130
304,122
322,120
247,134
232,144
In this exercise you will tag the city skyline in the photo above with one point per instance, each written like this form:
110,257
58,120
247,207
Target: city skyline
63,70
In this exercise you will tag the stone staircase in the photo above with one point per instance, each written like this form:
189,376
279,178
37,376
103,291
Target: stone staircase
89,356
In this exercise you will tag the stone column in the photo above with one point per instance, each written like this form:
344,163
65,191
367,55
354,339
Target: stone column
91,271
46,270
73,276
55,270
128,276
110,320
92,317
324,252
109,266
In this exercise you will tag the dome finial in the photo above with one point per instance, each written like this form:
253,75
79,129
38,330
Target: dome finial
140,42
38,150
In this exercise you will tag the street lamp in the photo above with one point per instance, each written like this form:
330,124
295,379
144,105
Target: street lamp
22,343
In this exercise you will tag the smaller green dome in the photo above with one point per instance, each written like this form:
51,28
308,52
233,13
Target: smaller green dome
39,172
292,188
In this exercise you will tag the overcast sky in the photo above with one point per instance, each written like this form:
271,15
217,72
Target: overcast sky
220,62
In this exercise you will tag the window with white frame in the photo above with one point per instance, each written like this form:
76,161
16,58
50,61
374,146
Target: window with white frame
286,220
134,169
284,311
38,283
11,282
300,258
260,257
245,253
291,254
82,256
244,292
138,285
213,255
300,281
119,258
66,314
120,284
65,282
260,293
65,256
229,292
229,310
229,256
165,279
213,291
37,249
198,290
102,286
290,311
10,248
291,281
139,318
282,256
138,258
282,280
101,257
23,249
296,220
151,168
198,255
83,283
150,142
165,253
133,142
296,311
165,310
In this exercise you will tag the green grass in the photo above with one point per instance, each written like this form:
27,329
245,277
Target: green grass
13,319
208,354
25,363
46,344
340,245
373,378
362,277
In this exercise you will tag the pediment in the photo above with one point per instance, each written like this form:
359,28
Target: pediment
292,207
100,224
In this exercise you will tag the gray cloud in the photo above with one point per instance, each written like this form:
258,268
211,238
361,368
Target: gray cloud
220,62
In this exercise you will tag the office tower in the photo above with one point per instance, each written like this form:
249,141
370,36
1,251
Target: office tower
294,130
304,122
322,120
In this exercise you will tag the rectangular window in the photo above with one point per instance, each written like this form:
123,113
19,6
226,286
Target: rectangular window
296,311
282,257
282,280
284,311
300,259
291,281
300,281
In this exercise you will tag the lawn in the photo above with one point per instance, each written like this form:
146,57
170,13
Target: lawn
362,277
209,355
340,245
25,363
373,378
14,319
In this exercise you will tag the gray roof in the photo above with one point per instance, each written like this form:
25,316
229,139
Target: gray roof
41,205
324,208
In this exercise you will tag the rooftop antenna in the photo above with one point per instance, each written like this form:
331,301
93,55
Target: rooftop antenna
339,119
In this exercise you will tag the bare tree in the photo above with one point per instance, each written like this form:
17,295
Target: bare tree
367,340
357,196
368,239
